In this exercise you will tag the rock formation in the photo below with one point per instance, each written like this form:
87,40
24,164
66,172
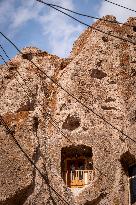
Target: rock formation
45,119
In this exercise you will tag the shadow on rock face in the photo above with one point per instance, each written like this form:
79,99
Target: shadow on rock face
20,197
98,74
96,201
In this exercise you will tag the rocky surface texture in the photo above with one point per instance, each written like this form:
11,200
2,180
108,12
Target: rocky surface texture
44,118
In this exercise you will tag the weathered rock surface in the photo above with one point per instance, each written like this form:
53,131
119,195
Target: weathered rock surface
101,73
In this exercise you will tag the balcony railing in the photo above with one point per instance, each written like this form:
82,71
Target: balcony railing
78,178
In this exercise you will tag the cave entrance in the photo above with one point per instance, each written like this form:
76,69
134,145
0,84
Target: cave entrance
76,166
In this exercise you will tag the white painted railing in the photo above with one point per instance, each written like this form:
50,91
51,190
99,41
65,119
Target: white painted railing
78,178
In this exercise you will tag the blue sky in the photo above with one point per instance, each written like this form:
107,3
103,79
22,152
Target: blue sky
29,23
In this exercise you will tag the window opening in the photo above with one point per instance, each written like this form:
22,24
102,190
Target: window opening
76,166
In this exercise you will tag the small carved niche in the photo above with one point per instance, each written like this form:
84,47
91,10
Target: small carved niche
98,74
71,123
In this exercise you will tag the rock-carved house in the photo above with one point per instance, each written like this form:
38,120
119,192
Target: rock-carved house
77,143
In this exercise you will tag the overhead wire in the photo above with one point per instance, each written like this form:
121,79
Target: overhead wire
124,7
47,114
86,15
85,24
70,94
2,73
16,142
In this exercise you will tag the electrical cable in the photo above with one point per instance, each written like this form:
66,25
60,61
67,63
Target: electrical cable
85,24
57,127
124,7
77,100
2,74
86,15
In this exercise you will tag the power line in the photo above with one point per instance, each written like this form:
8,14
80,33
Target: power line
86,15
33,164
85,24
47,114
4,52
70,94
120,5
94,167
3,60
2,72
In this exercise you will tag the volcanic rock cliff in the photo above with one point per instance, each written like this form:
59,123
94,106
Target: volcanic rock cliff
86,100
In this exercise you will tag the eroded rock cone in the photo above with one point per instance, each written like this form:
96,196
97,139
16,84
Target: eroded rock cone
62,135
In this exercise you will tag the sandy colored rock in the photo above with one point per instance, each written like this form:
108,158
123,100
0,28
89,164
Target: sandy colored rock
45,119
